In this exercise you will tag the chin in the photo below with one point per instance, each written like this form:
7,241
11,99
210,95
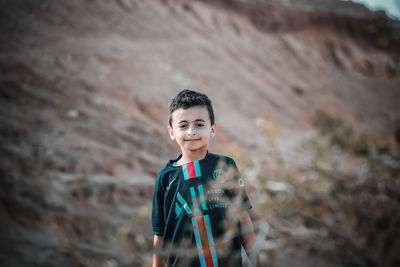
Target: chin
193,149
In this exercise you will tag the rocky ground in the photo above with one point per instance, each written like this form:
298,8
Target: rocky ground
84,93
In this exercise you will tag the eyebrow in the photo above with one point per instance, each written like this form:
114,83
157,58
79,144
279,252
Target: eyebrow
198,120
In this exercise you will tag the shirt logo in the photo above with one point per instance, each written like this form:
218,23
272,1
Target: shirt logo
169,185
218,175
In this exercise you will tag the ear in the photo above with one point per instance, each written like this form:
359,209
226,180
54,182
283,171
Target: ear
213,130
171,133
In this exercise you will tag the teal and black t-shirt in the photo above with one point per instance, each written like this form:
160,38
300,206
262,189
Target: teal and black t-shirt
196,208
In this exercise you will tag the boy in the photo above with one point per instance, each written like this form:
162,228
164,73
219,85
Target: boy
200,203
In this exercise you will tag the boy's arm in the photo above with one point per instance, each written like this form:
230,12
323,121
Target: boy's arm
249,239
157,259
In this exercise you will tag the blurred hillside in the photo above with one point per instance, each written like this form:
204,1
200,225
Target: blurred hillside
84,93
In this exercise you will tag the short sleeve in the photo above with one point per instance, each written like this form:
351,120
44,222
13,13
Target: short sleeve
157,215
240,188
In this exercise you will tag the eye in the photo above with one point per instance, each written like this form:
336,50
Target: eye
199,125
182,126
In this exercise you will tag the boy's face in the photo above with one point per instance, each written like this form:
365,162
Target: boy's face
191,129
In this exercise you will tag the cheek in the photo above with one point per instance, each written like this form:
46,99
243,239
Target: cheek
179,134
204,131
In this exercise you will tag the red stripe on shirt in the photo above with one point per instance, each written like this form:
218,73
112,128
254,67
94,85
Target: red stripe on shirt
191,170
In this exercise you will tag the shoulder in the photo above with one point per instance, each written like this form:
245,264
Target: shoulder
223,159
167,168
165,172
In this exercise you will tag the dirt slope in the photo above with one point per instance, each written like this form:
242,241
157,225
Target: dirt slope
84,92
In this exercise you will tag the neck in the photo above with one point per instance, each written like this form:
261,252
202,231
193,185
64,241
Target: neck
189,156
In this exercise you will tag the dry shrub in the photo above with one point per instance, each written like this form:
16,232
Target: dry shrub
341,201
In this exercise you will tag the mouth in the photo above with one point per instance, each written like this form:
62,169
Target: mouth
192,140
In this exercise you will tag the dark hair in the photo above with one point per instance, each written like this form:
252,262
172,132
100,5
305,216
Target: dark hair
188,98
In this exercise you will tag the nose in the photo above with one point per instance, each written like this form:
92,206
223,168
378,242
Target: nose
191,131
